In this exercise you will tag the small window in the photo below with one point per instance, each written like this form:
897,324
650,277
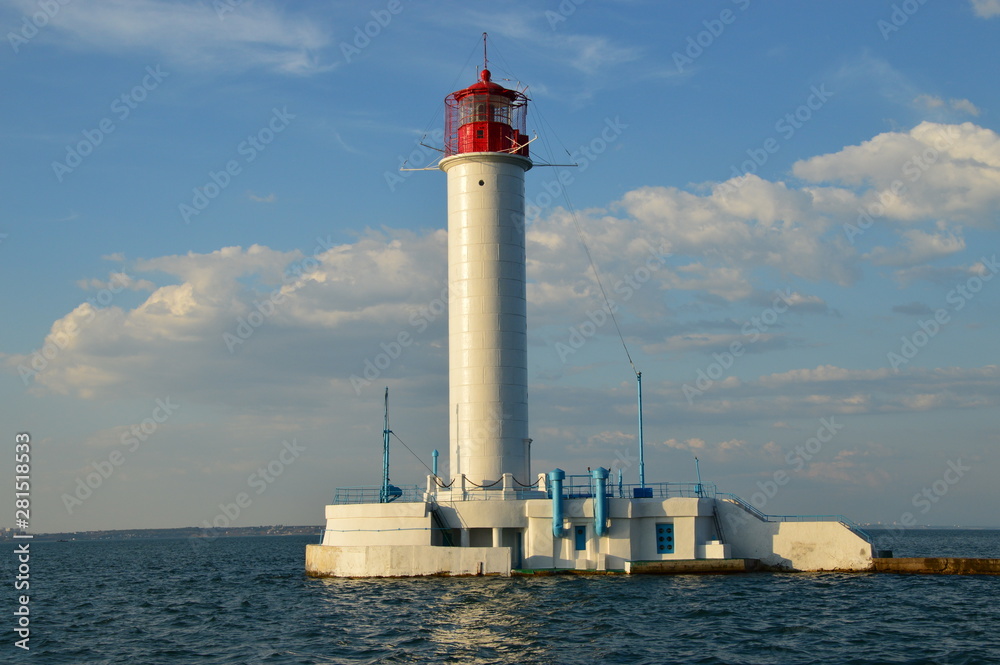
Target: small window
479,133
580,537
664,538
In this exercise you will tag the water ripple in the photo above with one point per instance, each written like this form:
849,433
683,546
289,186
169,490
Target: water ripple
245,601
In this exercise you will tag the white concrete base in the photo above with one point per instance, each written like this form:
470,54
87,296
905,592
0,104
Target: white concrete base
405,561
713,549
490,536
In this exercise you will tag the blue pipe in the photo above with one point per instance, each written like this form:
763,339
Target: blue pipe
642,458
600,500
556,477
384,493
697,469
434,455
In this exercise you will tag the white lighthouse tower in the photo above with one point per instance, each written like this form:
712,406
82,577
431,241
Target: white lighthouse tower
486,156
488,515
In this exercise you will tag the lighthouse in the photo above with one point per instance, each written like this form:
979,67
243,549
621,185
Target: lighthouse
486,157
489,515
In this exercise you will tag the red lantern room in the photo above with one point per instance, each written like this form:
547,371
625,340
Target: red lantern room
485,117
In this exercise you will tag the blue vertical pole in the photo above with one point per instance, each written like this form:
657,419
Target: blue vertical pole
600,476
384,494
697,468
642,459
556,477
434,464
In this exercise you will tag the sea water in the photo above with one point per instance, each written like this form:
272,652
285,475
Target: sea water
247,600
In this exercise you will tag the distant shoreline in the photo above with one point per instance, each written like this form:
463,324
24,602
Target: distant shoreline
179,532
896,527
282,530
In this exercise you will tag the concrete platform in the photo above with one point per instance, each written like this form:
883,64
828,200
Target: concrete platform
406,561
692,567
937,566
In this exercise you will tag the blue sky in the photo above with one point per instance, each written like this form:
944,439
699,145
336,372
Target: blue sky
206,242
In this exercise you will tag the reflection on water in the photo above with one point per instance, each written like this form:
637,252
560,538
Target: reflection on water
247,601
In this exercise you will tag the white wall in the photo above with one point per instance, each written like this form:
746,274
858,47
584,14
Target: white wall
806,546
405,561
378,524
487,317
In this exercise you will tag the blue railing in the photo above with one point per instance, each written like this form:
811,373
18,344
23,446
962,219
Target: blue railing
410,494
750,508
582,487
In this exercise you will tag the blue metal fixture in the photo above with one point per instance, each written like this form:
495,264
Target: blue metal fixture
697,469
600,500
642,459
580,537
556,477
384,495
434,456
664,538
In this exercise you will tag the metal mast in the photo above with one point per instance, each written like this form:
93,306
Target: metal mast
384,494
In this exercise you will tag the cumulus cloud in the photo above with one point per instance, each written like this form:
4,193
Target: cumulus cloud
719,240
932,172
315,320
294,323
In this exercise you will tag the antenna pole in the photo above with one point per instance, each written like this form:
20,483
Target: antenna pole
485,61
384,494
642,459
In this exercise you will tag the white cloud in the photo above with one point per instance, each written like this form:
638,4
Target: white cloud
920,247
934,102
589,54
946,276
116,282
720,451
929,101
964,105
943,172
717,240
326,321
349,300
708,343
852,467
824,373
194,34
829,390
986,8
